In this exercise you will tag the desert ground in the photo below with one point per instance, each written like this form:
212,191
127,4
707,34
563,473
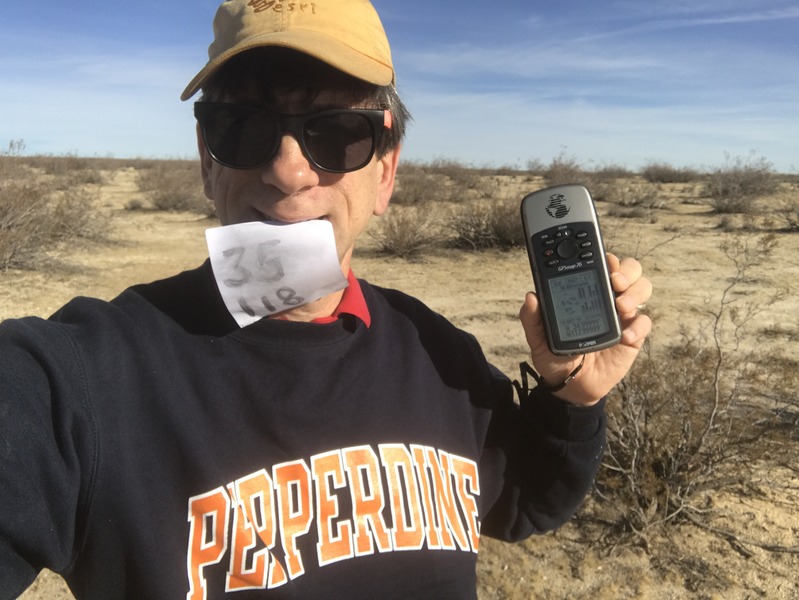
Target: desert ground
749,545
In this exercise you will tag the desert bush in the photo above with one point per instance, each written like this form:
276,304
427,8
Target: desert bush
564,169
407,231
640,213
462,177
670,427
462,182
790,214
70,169
733,187
441,180
507,170
64,171
24,228
626,193
35,218
415,187
629,199
482,225
683,423
728,224
175,185
610,173
660,172
791,219
73,216
535,167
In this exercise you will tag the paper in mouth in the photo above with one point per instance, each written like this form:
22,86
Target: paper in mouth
266,268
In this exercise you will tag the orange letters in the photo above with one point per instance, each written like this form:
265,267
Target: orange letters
368,502
429,495
335,540
208,525
293,482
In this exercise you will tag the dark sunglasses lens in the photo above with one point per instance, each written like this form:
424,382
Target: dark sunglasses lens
240,137
339,141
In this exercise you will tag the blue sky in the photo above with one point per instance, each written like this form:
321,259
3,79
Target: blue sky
619,82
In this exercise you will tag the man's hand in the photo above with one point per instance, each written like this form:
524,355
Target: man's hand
604,369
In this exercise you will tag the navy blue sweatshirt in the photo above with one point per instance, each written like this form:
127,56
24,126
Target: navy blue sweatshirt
149,448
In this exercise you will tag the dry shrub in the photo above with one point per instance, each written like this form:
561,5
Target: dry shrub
73,216
67,170
441,180
688,420
791,217
627,193
477,222
789,211
565,169
416,187
23,230
610,173
629,199
36,218
174,185
484,225
407,231
733,187
535,167
675,428
661,172
461,177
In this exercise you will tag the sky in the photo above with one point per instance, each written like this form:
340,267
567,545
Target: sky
690,83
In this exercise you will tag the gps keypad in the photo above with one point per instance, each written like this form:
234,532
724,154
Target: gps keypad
566,245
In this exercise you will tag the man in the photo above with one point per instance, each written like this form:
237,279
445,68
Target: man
350,445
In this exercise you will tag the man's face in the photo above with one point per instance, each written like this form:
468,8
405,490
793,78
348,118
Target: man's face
289,189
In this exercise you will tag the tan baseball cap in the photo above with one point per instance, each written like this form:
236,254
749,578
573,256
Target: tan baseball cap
346,34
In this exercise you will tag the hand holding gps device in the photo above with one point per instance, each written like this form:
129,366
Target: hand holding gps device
570,272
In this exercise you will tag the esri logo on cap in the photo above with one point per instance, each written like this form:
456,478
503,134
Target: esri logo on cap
556,207
278,6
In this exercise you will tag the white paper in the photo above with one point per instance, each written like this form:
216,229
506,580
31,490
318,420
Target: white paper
264,268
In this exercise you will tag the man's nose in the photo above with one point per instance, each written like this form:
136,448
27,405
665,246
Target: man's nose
290,170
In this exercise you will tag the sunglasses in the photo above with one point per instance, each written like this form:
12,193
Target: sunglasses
242,136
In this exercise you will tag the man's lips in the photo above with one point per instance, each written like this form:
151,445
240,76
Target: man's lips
277,221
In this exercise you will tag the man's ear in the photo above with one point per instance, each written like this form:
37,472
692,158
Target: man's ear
387,171
206,162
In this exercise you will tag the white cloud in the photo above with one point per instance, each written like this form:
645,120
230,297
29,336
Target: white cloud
526,61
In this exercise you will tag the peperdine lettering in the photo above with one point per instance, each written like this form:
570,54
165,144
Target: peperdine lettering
271,525
279,6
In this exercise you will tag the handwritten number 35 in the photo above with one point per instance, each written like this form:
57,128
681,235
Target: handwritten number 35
269,270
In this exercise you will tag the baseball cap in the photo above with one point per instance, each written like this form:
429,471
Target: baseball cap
346,34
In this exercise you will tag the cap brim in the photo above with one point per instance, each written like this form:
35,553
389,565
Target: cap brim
328,50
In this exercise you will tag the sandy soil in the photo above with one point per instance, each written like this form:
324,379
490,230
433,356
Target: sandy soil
482,292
